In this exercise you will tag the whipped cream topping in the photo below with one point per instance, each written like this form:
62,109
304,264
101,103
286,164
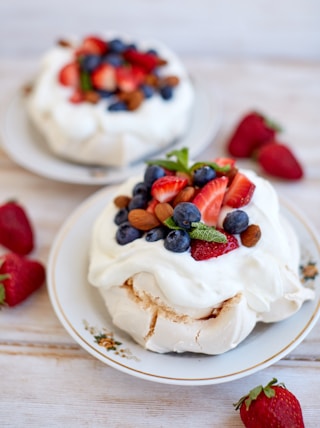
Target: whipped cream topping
245,286
89,133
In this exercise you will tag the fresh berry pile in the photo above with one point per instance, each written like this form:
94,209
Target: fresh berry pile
181,205
19,275
116,71
270,406
257,137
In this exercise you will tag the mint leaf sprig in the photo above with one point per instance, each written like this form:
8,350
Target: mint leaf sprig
182,163
199,230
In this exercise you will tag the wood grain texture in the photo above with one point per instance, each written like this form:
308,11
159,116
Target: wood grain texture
47,380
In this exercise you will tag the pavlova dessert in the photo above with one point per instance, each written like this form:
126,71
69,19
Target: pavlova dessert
109,100
190,257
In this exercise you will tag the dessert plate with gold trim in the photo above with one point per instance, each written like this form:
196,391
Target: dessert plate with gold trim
81,311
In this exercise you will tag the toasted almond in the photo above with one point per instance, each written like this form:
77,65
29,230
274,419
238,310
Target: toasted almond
91,97
185,195
171,80
163,211
121,201
135,100
251,235
152,80
142,219
64,43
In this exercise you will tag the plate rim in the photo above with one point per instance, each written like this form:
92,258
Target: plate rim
70,223
206,96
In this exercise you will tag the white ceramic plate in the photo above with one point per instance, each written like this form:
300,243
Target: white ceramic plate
83,314
27,148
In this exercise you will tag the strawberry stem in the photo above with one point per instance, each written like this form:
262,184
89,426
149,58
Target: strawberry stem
255,392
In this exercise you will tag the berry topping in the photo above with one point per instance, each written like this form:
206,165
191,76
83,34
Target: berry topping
103,77
177,241
209,200
185,214
204,250
240,191
93,45
173,204
236,222
203,175
165,188
127,233
69,75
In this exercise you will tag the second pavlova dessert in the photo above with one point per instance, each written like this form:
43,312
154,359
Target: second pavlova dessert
189,257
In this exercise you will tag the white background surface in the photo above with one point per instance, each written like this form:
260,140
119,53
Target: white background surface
221,28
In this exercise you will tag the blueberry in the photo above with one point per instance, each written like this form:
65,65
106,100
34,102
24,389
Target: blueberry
90,62
104,94
113,59
177,241
121,216
203,175
132,47
186,213
127,233
138,201
166,92
117,46
156,234
152,52
236,222
152,173
140,189
147,90
118,106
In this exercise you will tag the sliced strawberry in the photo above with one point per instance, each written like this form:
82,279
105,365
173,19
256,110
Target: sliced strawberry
152,205
278,160
145,60
69,75
204,250
77,96
93,45
240,191
164,189
104,77
209,200
222,161
126,79
253,131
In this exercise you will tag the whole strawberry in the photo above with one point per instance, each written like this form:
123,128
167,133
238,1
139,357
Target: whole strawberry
19,277
16,233
278,160
253,131
271,406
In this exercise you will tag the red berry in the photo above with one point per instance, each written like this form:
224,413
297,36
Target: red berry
272,406
278,160
104,77
209,200
253,131
240,191
93,45
144,60
69,75
204,250
164,189
77,96
16,231
19,277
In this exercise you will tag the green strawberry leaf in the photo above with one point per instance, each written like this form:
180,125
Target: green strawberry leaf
206,233
213,165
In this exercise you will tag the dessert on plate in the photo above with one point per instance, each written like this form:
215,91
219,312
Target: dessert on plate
190,257
110,100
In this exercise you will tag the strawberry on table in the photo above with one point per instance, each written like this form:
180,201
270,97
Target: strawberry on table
253,131
278,160
16,232
240,191
209,200
271,406
19,277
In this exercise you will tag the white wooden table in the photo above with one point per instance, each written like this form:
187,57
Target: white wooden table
48,380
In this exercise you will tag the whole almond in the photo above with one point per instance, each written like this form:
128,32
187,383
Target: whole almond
121,201
91,97
171,80
185,195
135,100
163,211
251,235
142,219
